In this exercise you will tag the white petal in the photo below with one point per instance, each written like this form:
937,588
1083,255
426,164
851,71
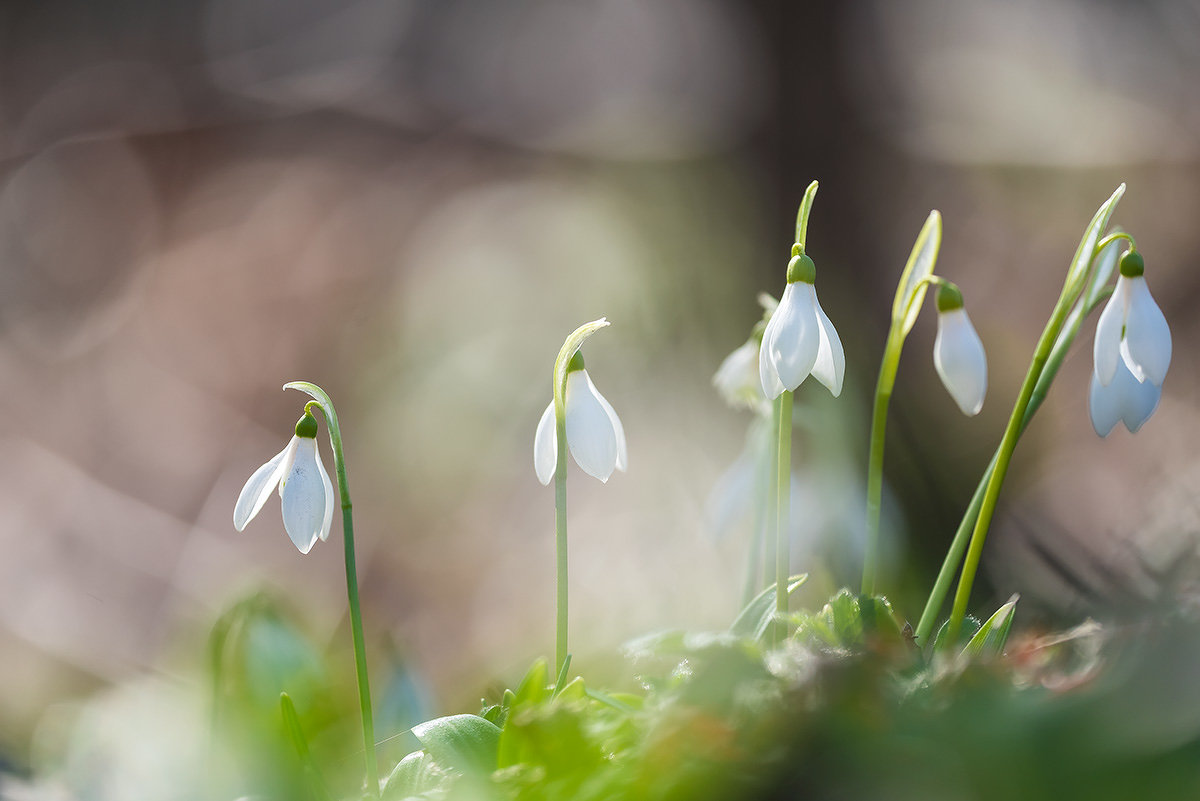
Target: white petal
960,360
1147,343
1141,399
303,496
590,433
329,502
736,379
1104,405
1106,349
772,387
618,429
545,446
830,367
793,349
258,488
1125,399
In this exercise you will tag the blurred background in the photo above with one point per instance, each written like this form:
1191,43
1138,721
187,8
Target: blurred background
413,203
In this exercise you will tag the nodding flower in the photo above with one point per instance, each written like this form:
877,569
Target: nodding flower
958,352
1131,353
305,492
799,339
595,435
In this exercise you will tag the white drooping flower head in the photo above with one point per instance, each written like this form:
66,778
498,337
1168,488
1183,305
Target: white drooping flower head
799,339
595,435
958,353
1131,353
305,490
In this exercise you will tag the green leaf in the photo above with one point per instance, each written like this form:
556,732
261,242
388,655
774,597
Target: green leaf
910,291
802,214
467,743
415,774
1087,245
533,688
993,634
970,626
751,619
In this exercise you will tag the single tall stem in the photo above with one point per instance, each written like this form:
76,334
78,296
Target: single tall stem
356,629
883,396
560,538
782,502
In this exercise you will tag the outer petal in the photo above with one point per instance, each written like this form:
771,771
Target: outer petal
329,502
768,377
793,349
1125,398
736,380
590,432
545,446
1147,343
618,429
1104,405
830,367
303,495
258,488
1106,349
960,360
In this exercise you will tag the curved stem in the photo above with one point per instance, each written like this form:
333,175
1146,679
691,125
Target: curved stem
883,396
1113,237
356,629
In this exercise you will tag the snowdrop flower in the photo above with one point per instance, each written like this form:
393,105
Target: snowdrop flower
304,488
737,378
594,432
1131,353
800,340
958,352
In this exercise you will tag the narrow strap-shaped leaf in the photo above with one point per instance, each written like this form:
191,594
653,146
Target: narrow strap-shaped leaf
993,634
750,619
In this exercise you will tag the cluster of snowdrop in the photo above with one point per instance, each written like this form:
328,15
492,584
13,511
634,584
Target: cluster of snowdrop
794,340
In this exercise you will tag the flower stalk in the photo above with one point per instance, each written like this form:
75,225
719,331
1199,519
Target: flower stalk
562,369
323,402
917,275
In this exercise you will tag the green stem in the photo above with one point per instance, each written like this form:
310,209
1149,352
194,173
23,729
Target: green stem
560,534
771,496
941,586
883,396
782,503
1012,432
356,629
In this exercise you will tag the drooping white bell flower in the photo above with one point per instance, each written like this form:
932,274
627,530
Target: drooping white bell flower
1131,353
1132,329
1125,399
958,352
304,489
799,339
595,435
737,378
